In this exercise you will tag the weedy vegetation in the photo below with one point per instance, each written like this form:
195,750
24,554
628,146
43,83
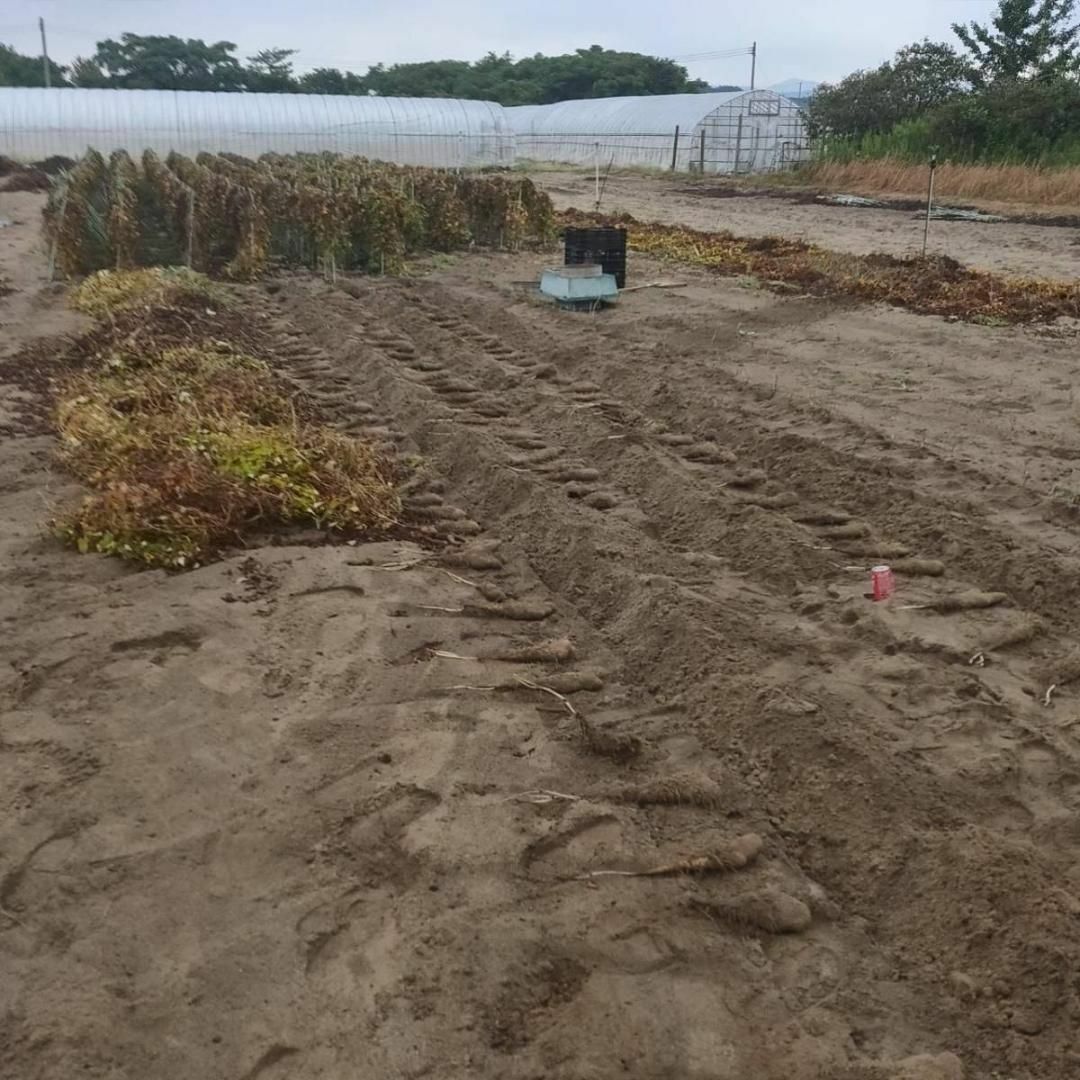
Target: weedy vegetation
935,285
187,440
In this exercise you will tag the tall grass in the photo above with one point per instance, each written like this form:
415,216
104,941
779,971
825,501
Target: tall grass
1009,183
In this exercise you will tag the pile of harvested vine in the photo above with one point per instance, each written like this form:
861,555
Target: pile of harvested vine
220,213
935,285
187,440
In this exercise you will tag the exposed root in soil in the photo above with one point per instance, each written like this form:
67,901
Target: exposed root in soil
852,530
734,855
822,517
880,550
918,567
771,911
616,745
1017,633
971,600
687,789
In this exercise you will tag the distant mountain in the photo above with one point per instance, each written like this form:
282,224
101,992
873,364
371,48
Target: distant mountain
799,90
796,89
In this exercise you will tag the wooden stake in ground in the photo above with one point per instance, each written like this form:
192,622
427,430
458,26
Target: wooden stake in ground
929,204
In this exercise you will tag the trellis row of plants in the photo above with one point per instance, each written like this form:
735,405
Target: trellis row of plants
225,214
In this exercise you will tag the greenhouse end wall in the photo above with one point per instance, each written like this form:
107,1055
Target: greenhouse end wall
739,132
438,132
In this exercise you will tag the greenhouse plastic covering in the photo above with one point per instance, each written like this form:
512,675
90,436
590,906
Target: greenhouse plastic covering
38,123
744,131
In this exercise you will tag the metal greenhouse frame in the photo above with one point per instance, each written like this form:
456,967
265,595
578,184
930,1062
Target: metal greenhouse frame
744,131
446,132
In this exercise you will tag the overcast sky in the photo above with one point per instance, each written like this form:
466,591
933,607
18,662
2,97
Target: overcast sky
801,39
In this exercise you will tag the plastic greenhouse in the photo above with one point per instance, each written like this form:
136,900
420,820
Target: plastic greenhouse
39,123
744,131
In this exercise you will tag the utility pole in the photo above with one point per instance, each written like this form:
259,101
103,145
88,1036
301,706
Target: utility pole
44,54
753,63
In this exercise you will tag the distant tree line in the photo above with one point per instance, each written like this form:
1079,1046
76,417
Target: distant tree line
136,62
1008,90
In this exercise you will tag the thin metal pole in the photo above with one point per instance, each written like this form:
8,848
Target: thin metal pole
44,54
929,203
701,154
753,65
738,145
675,149
596,169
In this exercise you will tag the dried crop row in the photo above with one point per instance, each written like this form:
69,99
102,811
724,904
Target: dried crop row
189,443
934,285
220,213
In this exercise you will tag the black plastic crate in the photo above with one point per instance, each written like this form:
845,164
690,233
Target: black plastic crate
606,246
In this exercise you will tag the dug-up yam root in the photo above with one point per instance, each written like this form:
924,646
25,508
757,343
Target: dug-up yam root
748,478
525,442
574,682
709,454
419,482
472,560
461,527
772,911
686,789
918,567
1014,634
1061,672
556,651
536,457
609,744
972,600
822,517
581,475
519,610
883,549
852,530
733,855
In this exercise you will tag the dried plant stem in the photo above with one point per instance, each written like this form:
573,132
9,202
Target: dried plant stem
566,703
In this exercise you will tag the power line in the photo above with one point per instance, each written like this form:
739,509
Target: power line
720,54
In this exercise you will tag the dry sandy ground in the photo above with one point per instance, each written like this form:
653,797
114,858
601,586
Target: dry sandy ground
254,827
1019,250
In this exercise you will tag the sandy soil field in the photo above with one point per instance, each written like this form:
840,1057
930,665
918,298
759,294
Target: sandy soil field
1017,250
284,816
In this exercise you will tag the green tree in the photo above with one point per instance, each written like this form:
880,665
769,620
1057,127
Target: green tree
271,71
1030,120
19,70
586,73
1025,38
161,63
920,77
331,81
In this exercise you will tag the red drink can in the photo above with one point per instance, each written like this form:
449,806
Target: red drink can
882,582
